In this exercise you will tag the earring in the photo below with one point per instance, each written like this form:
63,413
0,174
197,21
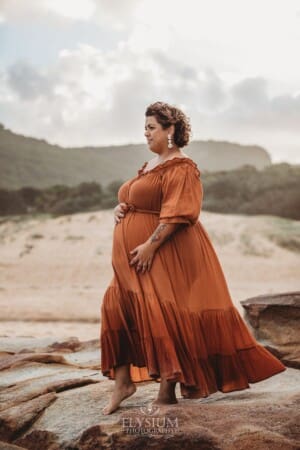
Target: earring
170,145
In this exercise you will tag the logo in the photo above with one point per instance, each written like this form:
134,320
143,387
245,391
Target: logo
149,410
149,421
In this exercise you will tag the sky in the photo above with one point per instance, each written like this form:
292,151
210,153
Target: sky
82,72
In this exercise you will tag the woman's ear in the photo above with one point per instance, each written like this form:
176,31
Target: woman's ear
171,130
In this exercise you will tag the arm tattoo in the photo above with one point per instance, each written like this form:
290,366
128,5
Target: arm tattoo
160,236
156,235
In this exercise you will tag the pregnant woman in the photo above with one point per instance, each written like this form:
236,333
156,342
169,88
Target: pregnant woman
167,314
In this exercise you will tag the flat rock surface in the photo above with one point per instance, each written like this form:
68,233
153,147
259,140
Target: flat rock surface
53,406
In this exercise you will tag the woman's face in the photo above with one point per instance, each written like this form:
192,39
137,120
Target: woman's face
156,136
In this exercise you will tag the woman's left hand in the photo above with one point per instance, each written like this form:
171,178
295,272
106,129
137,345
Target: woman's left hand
143,256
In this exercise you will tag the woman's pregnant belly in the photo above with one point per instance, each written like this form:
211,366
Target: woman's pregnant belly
133,229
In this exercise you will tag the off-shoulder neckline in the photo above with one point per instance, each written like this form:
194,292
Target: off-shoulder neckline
168,162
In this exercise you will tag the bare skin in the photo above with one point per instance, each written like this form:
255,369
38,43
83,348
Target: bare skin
123,389
119,212
143,256
166,394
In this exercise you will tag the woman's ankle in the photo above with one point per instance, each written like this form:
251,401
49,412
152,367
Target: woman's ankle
167,390
122,376
123,383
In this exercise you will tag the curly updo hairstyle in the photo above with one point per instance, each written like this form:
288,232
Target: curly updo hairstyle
168,115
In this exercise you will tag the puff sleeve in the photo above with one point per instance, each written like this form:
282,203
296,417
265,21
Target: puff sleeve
182,194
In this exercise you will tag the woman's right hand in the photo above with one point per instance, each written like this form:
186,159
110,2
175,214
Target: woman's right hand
119,212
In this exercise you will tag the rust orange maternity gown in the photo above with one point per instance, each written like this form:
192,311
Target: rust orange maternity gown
176,321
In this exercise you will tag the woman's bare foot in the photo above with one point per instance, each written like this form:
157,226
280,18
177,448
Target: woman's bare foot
119,394
166,395
165,401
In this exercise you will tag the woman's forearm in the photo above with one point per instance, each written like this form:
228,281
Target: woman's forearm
162,233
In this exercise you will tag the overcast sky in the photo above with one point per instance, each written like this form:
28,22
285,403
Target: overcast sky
81,72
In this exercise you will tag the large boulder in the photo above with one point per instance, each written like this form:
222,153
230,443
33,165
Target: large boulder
275,323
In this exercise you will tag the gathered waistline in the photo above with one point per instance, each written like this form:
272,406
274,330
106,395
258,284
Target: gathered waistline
133,208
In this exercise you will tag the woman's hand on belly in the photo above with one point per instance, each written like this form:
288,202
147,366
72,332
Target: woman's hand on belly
119,212
143,257
145,252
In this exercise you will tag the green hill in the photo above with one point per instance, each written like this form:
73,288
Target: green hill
26,161
273,191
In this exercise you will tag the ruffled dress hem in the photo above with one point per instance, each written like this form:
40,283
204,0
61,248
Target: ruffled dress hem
205,352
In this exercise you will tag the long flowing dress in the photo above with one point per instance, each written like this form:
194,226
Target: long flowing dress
178,320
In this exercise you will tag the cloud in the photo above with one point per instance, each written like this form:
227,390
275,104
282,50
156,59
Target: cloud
250,93
14,10
28,82
97,89
116,13
95,97
254,108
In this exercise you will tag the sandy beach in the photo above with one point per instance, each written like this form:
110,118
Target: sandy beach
54,271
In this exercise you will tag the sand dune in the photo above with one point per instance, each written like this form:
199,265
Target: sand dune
54,271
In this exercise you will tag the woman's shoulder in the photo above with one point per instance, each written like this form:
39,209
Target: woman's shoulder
175,161
180,164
